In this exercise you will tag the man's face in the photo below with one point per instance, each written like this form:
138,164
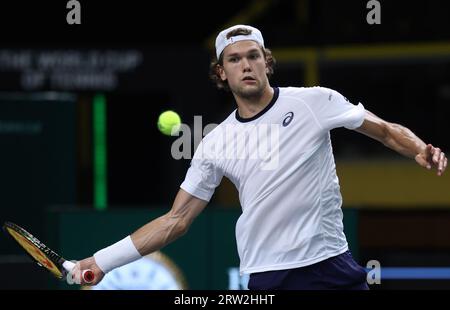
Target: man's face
245,68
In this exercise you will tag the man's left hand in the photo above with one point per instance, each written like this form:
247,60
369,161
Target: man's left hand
432,157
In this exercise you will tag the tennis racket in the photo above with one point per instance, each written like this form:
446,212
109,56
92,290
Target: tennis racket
43,255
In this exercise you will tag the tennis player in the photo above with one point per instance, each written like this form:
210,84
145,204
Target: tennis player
290,233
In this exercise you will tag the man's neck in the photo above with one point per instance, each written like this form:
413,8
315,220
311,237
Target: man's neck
249,107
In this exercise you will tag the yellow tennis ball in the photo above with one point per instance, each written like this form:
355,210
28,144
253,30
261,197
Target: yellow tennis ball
169,122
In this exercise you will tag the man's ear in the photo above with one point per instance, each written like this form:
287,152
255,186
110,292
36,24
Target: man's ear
267,68
221,72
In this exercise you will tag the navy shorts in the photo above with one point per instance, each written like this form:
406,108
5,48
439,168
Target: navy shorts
339,272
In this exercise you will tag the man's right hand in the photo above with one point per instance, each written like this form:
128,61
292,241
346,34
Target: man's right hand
87,263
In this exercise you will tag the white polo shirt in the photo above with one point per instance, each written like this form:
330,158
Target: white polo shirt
282,164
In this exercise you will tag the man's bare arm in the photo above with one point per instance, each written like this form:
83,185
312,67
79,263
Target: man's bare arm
404,141
154,235
172,225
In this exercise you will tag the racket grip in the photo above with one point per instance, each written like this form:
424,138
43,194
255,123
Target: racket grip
88,275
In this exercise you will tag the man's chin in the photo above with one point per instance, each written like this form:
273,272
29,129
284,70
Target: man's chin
250,91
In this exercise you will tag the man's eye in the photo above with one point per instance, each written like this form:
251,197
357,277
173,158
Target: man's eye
233,59
254,56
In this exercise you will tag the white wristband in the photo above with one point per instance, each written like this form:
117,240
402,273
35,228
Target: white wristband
116,255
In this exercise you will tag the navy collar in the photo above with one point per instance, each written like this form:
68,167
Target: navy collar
276,92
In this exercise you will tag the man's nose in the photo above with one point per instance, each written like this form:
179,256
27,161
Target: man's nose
245,65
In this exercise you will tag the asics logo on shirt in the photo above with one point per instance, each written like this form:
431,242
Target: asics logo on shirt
288,118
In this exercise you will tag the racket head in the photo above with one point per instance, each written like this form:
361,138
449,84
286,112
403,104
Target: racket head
39,252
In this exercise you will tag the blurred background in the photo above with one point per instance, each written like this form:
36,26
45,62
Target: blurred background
82,163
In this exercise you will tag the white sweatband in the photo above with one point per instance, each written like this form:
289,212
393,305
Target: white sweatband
116,255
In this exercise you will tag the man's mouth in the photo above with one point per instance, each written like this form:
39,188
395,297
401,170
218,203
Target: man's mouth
248,78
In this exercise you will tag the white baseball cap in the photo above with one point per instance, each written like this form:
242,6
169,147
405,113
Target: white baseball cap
222,41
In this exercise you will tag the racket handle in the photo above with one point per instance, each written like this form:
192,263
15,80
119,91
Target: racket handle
88,275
